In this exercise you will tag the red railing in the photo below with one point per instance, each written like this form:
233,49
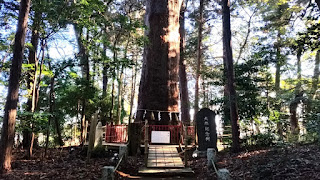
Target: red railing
175,132
116,133
119,133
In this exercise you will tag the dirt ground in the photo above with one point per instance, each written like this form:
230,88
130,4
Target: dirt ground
291,162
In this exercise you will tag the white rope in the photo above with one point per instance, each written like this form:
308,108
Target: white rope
157,110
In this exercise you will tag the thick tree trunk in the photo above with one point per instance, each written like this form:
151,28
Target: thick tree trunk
199,56
227,55
9,119
158,89
183,83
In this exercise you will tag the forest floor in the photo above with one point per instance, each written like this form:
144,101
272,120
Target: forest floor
289,162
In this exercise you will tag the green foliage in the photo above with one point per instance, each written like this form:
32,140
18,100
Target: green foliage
259,140
38,121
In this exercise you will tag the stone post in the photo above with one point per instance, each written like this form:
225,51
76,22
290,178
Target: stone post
123,151
108,173
211,157
98,134
92,134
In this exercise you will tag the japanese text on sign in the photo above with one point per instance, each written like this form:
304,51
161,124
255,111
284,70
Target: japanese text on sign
206,129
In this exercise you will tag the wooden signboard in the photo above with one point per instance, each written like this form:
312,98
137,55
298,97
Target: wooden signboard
162,137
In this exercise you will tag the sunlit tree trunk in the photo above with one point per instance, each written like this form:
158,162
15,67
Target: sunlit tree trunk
314,84
184,95
298,97
227,56
315,78
133,87
158,89
9,119
199,56
120,82
32,81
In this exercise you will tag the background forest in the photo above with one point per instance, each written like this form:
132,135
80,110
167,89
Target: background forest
85,56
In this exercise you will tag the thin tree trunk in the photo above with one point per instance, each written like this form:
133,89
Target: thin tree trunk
314,84
184,94
85,75
277,85
298,95
119,109
9,119
133,87
104,87
315,78
31,80
243,46
112,100
199,56
227,55
114,75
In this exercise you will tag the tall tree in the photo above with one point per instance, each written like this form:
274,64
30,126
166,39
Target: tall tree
158,89
183,83
28,137
297,99
84,61
228,61
199,56
7,134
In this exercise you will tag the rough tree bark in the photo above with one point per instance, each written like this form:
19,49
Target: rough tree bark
227,56
199,56
158,89
183,83
298,97
9,119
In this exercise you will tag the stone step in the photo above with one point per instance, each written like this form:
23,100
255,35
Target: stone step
165,171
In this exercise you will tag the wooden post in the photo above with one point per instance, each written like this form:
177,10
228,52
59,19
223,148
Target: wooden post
185,145
134,138
146,142
92,135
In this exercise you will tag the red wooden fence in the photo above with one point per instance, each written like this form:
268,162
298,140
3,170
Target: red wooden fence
116,133
175,132
119,133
